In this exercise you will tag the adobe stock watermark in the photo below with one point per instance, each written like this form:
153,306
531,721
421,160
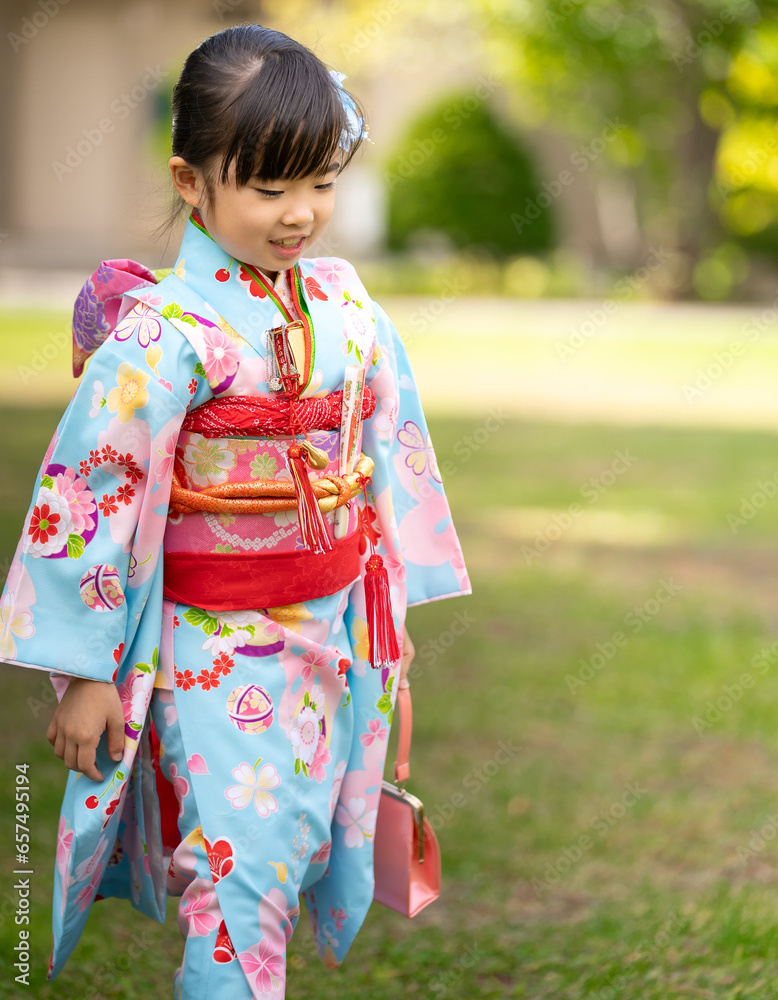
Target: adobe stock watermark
712,28
476,779
591,491
601,825
625,288
647,950
421,319
431,650
371,29
40,359
454,117
759,839
31,25
120,108
581,158
752,504
730,694
456,971
726,359
634,620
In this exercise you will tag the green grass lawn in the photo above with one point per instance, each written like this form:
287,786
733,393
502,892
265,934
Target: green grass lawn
597,843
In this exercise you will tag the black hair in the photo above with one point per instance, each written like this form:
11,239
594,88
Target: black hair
256,97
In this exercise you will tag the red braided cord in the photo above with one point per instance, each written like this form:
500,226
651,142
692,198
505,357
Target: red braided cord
252,416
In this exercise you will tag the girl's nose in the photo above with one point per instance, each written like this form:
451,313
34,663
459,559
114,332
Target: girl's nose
298,213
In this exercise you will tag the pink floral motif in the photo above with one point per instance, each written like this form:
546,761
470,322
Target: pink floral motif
333,270
266,965
197,765
79,498
322,855
312,662
64,845
180,787
254,787
377,731
320,760
339,916
164,465
198,901
221,356
358,820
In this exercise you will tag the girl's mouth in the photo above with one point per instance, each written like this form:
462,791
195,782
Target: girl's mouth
289,247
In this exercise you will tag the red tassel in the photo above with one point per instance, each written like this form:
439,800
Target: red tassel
312,526
384,651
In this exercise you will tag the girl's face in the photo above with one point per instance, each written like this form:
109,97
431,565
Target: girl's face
268,224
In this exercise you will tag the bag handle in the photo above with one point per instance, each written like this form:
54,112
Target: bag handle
402,769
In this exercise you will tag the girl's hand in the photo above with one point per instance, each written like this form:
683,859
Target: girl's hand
87,709
406,658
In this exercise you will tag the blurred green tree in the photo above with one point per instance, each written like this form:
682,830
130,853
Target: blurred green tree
449,175
694,85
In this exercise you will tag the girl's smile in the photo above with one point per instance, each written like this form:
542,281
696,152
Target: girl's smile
268,224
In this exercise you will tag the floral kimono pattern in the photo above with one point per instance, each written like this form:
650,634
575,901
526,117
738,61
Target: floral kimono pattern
272,727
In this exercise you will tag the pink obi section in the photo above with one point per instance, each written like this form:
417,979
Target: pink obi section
229,562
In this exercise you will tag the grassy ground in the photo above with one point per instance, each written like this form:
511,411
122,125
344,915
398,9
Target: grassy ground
597,842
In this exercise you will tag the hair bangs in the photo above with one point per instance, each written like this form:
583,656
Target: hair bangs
286,123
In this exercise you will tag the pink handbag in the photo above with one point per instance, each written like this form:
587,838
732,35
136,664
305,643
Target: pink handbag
406,851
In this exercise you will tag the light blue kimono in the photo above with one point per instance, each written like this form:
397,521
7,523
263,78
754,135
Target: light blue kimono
286,801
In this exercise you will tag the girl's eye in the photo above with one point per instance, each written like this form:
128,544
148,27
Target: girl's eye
268,193
325,187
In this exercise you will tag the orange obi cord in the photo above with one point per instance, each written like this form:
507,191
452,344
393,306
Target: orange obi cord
268,496
237,581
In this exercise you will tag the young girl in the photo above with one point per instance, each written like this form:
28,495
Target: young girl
212,634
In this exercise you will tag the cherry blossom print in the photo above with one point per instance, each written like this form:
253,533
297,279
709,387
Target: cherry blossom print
264,967
15,623
333,270
304,734
198,908
338,916
220,357
322,855
254,787
358,820
376,730
65,837
129,394
207,462
385,418
311,662
197,765
98,398
180,786
163,466
418,449
317,768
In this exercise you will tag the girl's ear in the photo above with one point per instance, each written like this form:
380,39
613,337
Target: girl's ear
188,181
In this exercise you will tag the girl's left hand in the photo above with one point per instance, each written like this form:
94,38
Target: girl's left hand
406,658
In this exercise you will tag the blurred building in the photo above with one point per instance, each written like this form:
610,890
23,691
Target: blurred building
85,87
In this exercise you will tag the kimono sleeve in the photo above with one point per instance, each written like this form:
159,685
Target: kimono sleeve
92,539
406,481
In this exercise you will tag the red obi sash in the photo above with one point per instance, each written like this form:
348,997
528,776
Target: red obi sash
236,581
